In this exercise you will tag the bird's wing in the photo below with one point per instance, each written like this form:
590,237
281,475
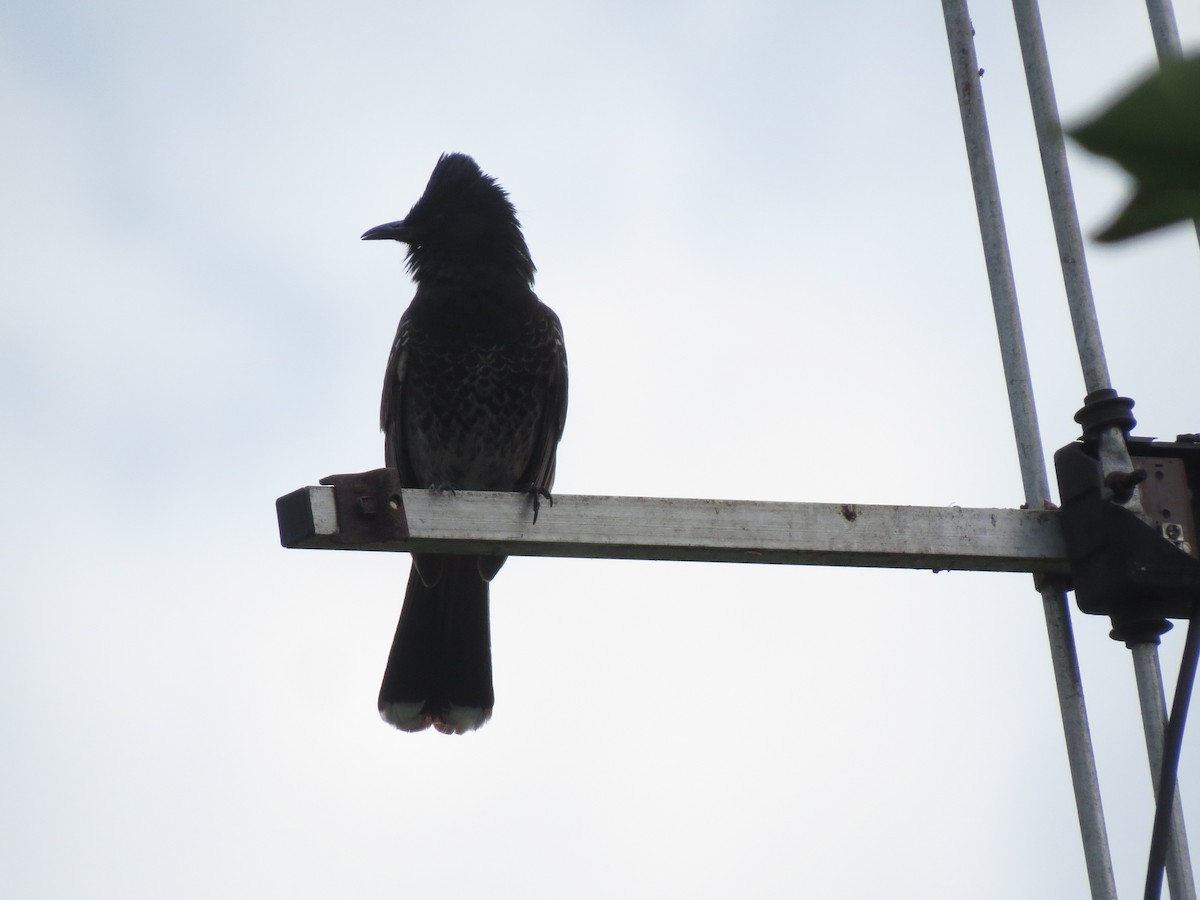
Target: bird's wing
550,429
391,407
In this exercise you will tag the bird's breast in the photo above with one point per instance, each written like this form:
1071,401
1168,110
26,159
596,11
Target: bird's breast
474,399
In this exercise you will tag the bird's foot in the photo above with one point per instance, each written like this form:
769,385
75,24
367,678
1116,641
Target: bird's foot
537,495
446,489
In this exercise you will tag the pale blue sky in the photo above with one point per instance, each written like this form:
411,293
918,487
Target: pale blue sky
755,222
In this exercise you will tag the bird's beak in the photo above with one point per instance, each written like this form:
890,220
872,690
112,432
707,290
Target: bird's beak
392,231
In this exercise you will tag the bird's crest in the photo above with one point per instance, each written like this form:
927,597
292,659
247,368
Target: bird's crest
465,217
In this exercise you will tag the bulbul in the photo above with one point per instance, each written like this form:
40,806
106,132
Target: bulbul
474,398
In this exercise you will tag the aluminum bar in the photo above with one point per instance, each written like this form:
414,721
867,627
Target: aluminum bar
827,534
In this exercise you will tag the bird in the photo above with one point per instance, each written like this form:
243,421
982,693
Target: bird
474,398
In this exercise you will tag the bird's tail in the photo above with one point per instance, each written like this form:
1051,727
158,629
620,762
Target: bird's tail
439,671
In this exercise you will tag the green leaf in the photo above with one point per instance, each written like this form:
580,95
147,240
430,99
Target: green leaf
1154,133
1150,209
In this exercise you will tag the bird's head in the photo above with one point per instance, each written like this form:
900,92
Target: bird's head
463,222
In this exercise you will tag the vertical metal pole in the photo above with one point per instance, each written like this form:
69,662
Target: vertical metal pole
1167,45
1080,757
1154,709
1114,454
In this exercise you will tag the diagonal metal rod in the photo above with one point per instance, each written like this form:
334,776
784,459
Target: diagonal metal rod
1114,454
1166,44
1164,29
1153,701
1061,196
1081,759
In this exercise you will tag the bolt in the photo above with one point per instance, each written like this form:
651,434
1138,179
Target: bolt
1122,484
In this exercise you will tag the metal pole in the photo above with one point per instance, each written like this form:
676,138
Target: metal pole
1080,756
1113,452
1081,760
1154,718
1167,44
1114,456
1062,199
1166,32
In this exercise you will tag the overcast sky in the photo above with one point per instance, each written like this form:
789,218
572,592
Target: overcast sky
755,222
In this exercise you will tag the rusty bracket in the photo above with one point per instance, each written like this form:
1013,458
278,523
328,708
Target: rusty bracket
362,509
370,507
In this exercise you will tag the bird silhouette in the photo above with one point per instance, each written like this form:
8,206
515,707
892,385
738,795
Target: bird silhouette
474,398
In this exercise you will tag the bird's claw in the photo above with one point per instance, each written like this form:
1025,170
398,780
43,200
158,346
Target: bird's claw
537,494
